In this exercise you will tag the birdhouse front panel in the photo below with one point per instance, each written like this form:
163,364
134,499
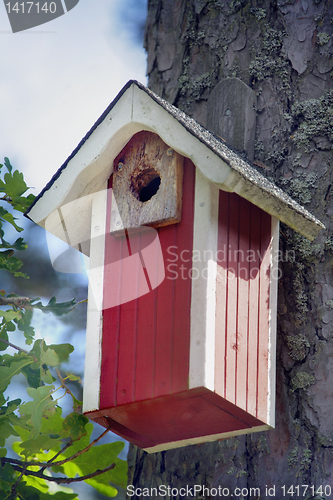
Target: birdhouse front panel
145,349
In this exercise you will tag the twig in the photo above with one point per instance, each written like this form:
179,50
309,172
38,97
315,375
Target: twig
63,480
63,385
17,482
48,464
68,445
14,346
6,198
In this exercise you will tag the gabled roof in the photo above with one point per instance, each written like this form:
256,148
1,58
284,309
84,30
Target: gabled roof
137,108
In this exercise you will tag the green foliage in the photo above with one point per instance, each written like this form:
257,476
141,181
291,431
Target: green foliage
52,450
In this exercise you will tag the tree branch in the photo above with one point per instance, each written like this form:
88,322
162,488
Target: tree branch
20,302
61,462
51,463
63,385
14,346
17,482
63,480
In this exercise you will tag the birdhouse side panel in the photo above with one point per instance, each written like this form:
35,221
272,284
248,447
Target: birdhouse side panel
243,301
145,346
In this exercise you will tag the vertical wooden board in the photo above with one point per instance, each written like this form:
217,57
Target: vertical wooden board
126,357
221,293
182,294
111,316
164,321
146,340
127,339
232,300
254,271
263,334
243,303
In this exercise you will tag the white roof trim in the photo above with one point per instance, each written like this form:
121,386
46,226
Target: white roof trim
137,108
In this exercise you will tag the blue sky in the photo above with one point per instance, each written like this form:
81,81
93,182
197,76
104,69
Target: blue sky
57,78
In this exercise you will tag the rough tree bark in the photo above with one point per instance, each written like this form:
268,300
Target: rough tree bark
283,50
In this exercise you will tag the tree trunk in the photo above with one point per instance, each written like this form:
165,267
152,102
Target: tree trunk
282,49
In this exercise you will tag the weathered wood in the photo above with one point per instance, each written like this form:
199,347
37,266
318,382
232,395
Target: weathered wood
147,184
231,114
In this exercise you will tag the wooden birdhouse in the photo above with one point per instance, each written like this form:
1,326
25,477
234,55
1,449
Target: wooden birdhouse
182,235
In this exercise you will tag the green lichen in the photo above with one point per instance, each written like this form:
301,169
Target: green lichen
270,62
303,462
305,250
258,13
199,85
297,428
236,5
323,38
299,347
306,459
293,458
301,298
264,66
302,380
329,243
319,17
262,446
193,90
300,186
313,118
297,159
184,79
259,149
193,37
273,41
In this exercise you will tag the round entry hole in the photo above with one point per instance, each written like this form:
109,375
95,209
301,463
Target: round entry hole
146,184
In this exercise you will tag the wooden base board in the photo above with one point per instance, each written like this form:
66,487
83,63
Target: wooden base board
181,419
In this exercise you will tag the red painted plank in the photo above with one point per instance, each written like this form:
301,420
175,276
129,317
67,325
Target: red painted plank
182,293
146,339
127,338
165,321
243,303
254,256
174,297
263,337
232,299
221,292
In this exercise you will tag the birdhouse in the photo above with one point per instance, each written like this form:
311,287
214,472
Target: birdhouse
182,234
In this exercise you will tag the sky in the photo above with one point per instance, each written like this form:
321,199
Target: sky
56,80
